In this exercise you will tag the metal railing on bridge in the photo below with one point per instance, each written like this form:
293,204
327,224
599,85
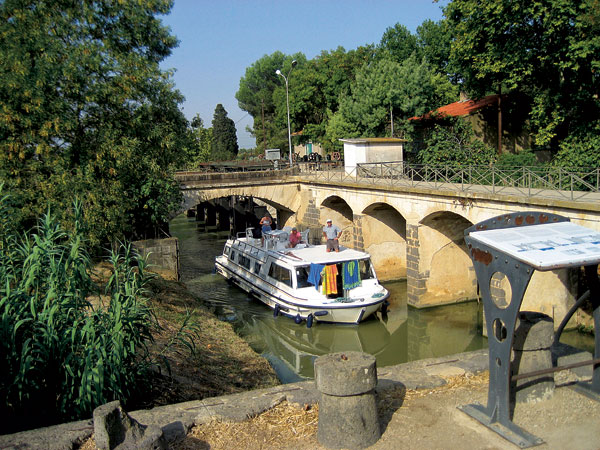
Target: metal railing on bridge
537,181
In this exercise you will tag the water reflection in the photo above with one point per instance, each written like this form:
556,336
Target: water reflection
404,334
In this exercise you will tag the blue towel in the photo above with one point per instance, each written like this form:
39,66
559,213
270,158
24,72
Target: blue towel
351,275
315,275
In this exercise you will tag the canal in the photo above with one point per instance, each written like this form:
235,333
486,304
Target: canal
406,334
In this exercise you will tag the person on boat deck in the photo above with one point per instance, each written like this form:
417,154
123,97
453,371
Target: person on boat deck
332,233
265,223
295,238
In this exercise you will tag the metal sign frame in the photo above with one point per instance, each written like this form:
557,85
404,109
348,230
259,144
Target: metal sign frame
501,320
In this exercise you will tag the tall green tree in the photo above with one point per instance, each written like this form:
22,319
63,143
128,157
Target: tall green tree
398,44
434,40
255,96
406,89
548,50
201,142
224,144
86,111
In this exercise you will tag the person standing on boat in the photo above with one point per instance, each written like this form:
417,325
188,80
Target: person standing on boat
332,233
265,224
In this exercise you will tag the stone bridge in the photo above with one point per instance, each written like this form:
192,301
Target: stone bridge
410,231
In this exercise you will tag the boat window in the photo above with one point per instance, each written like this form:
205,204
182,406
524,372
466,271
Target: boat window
366,270
226,251
244,261
257,267
302,277
232,257
281,274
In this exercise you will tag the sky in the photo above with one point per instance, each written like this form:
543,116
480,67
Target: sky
220,39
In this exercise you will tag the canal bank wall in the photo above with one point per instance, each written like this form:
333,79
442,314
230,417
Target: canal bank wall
176,420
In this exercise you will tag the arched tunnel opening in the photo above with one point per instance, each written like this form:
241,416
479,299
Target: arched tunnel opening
383,231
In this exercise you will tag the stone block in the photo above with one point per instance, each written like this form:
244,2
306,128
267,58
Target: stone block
114,429
343,374
347,409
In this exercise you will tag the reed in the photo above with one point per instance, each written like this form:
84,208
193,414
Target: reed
59,355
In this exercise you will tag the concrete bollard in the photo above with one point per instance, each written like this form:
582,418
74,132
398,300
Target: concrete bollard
347,409
534,334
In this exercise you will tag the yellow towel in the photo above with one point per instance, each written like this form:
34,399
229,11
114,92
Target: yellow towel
329,279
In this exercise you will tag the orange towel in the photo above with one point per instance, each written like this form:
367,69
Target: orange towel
329,279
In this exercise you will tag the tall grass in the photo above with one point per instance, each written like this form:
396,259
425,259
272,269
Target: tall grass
59,355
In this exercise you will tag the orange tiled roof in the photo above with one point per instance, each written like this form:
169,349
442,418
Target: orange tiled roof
462,108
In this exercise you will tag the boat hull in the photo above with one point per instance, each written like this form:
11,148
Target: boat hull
285,304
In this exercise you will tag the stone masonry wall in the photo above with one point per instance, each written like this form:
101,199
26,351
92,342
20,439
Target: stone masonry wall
163,255
415,280
357,234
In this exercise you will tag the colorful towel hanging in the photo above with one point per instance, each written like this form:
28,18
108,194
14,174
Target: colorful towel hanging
351,275
330,279
314,275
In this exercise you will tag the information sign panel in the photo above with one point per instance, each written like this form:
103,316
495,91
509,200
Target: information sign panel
546,246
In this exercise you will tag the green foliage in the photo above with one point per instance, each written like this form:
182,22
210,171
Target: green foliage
434,41
453,144
61,357
398,44
580,150
256,96
547,50
410,88
524,158
224,144
87,111
201,143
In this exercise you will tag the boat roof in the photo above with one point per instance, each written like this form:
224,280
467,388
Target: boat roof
317,254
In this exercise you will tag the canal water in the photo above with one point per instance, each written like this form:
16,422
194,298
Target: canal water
406,334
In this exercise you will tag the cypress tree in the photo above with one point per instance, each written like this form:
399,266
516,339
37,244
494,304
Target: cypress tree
224,144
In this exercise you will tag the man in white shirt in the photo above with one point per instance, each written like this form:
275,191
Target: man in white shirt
332,233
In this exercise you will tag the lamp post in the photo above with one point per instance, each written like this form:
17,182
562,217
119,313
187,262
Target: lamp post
287,101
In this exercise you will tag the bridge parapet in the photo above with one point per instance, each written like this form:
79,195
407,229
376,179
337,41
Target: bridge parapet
200,177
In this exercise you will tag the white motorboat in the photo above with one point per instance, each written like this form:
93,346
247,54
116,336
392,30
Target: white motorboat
306,282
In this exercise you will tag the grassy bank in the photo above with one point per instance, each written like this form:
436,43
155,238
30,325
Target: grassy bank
219,363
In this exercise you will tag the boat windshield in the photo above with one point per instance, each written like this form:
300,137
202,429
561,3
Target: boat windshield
302,277
366,269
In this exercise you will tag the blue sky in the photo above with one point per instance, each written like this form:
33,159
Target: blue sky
219,39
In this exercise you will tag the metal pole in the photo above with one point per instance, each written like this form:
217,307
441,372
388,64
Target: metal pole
287,101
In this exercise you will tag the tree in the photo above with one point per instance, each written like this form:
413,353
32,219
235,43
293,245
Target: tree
87,112
409,88
398,43
548,50
224,142
434,41
255,96
202,142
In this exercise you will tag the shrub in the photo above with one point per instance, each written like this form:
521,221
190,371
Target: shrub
454,144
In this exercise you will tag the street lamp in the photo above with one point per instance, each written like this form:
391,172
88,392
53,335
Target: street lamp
287,101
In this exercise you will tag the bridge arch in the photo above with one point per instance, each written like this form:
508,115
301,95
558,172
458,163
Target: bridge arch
339,211
444,271
281,196
383,233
